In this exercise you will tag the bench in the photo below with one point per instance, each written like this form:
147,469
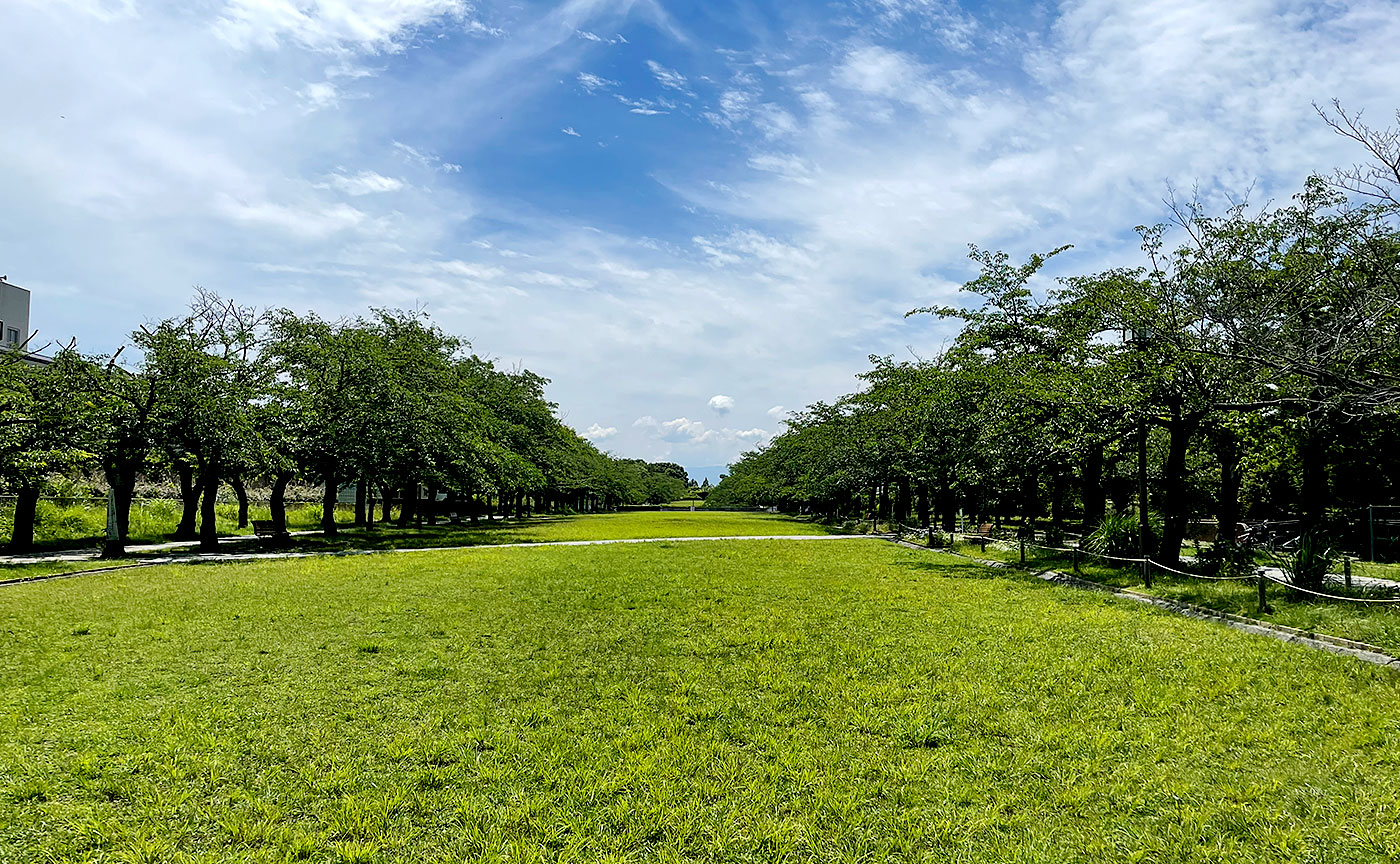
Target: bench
268,530
980,535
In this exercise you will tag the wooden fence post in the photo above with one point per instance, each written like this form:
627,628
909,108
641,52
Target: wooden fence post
1263,597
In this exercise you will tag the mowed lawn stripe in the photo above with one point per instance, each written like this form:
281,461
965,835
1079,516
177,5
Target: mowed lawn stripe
729,701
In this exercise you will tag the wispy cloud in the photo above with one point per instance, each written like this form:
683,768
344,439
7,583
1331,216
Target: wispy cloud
363,183
335,25
668,78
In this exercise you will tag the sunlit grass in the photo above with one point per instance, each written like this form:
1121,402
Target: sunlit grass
1376,624
717,701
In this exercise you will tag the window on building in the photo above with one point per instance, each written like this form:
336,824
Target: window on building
12,336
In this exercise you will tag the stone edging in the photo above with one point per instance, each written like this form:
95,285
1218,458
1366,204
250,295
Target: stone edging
1320,641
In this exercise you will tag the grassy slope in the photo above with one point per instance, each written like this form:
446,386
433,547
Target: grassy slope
752,701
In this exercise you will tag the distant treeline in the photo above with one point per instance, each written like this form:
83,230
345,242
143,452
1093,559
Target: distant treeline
229,394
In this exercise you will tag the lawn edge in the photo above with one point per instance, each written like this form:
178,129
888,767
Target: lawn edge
1363,651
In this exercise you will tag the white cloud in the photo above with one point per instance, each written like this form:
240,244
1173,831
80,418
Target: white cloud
569,130
669,78
600,433
332,25
363,183
721,404
319,95
777,412
593,83
426,159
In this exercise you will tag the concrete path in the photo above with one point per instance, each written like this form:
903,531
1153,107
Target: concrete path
231,557
1367,583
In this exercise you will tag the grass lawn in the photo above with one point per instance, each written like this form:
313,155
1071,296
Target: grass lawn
50,568
1377,624
720,701
553,529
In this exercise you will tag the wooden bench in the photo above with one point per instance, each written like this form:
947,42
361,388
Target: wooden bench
980,535
268,530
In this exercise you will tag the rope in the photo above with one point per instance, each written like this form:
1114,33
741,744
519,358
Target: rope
1156,564
1200,575
1293,587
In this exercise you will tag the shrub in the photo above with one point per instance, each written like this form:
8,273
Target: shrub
1305,560
1117,534
1227,559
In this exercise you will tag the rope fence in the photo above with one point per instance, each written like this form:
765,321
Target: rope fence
1261,575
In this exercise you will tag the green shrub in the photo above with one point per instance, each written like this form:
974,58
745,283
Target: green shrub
1117,534
1226,559
1306,560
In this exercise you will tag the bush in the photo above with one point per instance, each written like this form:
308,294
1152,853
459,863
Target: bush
1117,534
1227,559
1306,560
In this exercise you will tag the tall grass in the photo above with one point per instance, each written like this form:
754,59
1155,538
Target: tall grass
61,522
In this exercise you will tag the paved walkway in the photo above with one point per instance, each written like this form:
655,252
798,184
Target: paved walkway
1366,583
230,557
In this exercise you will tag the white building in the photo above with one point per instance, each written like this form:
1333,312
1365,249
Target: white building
14,314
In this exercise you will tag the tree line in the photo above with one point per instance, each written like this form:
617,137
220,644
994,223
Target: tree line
1249,368
229,395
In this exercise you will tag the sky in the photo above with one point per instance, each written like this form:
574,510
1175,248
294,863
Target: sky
691,217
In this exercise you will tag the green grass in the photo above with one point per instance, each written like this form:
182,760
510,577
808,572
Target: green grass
50,568
553,529
80,525
718,701
1377,625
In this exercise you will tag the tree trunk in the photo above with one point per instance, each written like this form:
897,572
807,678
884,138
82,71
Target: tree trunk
1180,432
112,546
947,507
430,509
924,506
1057,498
1227,510
369,507
361,493
123,500
388,506
189,498
1091,489
278,504
26,505
121,484
408,503
328,501
1030,497
1312,453
208,517
242,493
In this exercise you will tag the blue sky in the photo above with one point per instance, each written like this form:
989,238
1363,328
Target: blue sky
691,217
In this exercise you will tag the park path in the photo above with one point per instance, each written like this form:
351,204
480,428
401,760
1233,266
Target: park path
232,557
1363,582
